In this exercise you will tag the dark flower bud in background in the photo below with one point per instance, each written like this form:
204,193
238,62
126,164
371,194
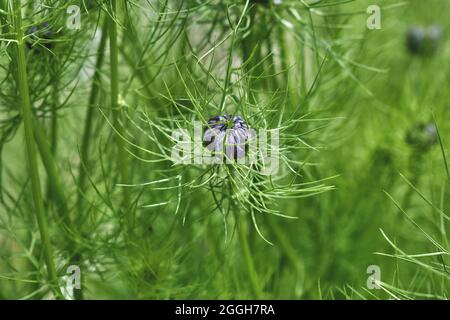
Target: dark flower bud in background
421,41
415,39
422,136
41,34
228,135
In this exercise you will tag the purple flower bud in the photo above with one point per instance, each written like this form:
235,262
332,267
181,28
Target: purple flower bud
228,135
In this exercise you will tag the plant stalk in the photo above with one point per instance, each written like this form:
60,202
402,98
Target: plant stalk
256,287
116,113
84,151
31,152
51,169
87,131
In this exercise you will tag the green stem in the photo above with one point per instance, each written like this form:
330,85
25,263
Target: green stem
54,182
415,171
243,242
289,80
116,112
285,243
54,127
31,152
286,246
247,44
55,103
256,287
84,151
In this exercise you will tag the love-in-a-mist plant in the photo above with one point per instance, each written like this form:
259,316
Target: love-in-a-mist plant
430,264
40,62
100,195
166,149
215,105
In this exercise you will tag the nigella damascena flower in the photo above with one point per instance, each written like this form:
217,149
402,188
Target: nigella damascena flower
227,135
